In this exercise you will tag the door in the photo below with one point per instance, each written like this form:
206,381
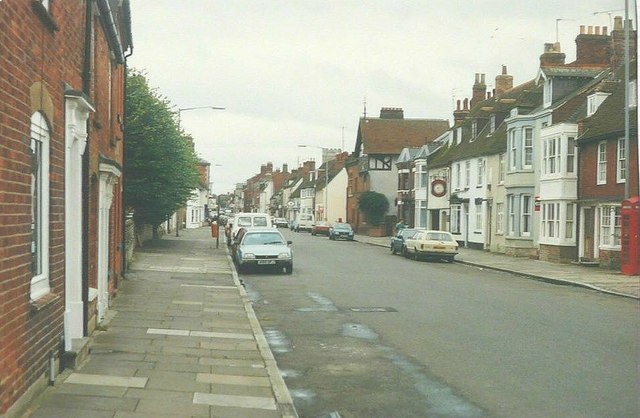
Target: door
588,239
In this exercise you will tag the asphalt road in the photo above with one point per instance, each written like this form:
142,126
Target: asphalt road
358,332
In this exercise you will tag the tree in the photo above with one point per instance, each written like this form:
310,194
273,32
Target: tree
374,205
160,167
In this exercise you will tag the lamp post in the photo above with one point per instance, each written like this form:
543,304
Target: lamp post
326,179
218,211
186,109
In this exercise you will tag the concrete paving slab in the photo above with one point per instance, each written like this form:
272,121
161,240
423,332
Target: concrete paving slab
173,380
239,390
231,412
158,394
106,380
240,371
166,331
259,364
228,379
234,401
229,345
92,390
91,403
161,358
56,412
174,407
229,335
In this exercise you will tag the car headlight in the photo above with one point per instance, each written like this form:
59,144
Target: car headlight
248,255
284,255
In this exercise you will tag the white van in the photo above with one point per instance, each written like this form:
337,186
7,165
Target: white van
249,220
304,223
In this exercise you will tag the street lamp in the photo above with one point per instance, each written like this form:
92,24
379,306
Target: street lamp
326,178
218,218
186,109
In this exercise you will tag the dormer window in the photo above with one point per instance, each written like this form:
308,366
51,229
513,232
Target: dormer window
547,95
633,93
474,130
594,101
492,124
458,135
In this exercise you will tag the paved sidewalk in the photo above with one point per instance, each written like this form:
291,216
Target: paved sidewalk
181,340
595,278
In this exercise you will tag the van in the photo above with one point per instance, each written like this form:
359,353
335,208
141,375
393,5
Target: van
304,223
249,220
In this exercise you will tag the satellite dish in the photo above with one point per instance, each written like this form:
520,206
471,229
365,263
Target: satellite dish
290,204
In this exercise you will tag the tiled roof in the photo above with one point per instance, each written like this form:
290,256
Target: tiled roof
525,97
609,118
390,136
568,71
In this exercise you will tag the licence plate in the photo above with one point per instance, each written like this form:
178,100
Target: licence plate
266,261
439,247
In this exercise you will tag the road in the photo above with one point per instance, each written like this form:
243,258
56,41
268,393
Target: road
358,332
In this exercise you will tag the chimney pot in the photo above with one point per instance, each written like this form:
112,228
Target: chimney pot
589,30
458,104
504,69
605,30
582,30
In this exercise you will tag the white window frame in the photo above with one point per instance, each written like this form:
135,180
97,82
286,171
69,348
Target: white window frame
481,170
571,154
547,92
501,168
40,138
456,215
500,218
621,163
570,216
422,214
633,93
525,215
527,147
610,226
458,175
467,173
513,150
492,124
478,217
423,180
601,168
511,220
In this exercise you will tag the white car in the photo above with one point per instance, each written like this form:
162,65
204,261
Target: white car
248,220
433,244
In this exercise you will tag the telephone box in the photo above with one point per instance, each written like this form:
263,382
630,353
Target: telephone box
214,229
630,236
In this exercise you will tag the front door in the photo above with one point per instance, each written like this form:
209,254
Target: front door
588,239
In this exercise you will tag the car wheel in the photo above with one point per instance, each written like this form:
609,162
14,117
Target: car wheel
288,269
240,268
393,250
416,255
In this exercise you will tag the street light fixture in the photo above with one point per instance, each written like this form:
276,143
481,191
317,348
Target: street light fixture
326,179
186,109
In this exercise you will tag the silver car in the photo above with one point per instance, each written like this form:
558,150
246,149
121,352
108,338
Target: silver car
262,247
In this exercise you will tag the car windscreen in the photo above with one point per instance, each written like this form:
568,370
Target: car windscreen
262,239
342,227
408,233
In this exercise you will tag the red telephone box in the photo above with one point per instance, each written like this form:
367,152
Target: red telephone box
630,239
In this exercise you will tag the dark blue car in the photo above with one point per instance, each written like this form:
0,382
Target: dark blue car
397,242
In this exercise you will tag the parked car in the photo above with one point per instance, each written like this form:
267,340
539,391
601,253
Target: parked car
281,223
433,244
304,223
341,231
262,247
320,228
248,220
398,241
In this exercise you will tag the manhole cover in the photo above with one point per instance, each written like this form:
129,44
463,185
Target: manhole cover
373,309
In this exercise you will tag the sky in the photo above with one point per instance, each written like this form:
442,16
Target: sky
302,72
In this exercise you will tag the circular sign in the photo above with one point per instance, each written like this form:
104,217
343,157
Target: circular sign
290,203
438,187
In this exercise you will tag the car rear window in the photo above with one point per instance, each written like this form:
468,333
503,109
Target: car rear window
259,221
244,221
438,236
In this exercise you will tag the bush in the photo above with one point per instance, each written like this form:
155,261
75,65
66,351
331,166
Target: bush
374,205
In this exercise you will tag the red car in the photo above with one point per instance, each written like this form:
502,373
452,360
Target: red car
320,228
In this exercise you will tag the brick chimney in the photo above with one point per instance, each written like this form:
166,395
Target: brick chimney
479,89
552,55
617,35
593,46
504,82
460,114
391,113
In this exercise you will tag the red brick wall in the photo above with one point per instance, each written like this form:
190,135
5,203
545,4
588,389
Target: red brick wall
33,55
588,171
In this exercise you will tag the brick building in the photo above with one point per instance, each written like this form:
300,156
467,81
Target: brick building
61,116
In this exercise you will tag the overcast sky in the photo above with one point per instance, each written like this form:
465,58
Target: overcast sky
293,72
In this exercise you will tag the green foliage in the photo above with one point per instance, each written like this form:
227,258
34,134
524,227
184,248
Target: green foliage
374,205
160,167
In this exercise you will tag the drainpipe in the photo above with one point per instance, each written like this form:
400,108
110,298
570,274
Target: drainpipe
86,188
124,165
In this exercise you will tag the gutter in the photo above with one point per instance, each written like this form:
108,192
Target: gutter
112,31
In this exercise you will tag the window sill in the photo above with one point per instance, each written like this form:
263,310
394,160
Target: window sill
44,15
42,302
